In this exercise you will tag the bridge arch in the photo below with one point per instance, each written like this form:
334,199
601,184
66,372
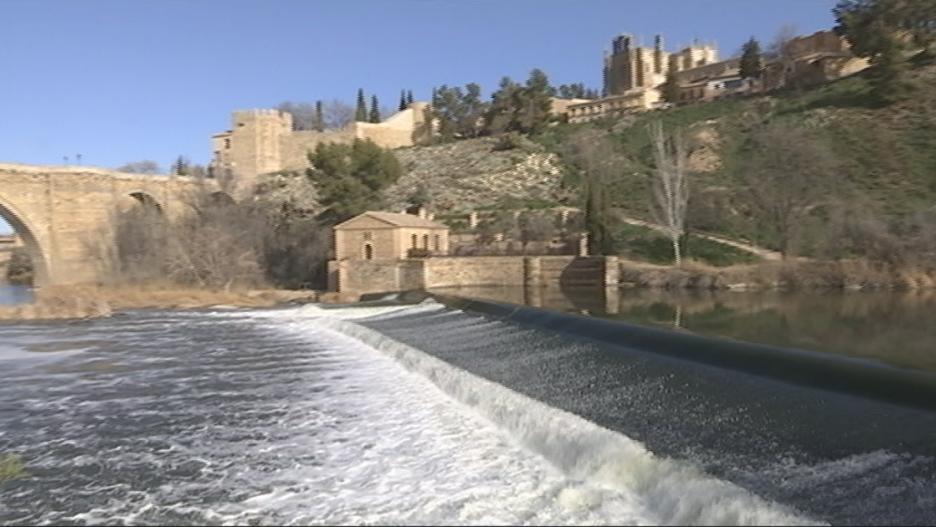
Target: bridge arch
27,232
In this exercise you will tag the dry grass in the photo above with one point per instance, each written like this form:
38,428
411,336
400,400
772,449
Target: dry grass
87,301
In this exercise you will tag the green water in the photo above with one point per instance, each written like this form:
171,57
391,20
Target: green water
890,327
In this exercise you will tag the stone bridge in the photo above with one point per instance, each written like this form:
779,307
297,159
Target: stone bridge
65,215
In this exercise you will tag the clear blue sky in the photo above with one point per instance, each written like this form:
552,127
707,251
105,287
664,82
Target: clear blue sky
125,80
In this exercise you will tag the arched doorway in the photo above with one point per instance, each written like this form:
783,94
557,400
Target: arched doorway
26,243
368,251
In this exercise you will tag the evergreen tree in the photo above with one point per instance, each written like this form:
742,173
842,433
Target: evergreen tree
403,104
537,102
751,65
319,117
349,178
180,167
374,116
409,97
597,217
360,113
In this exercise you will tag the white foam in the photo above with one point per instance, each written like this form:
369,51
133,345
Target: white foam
602,462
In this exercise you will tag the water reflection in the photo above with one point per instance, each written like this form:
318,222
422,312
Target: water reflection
15,294
893,327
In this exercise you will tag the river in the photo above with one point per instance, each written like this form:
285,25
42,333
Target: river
423,414
15,294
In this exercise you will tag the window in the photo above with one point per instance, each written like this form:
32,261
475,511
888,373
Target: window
368,236
413,239
368,251
426,241
438,243
227,143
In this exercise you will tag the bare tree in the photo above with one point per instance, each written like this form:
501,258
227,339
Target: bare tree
787,173
141,167
303,114
782,52
670,183
337,114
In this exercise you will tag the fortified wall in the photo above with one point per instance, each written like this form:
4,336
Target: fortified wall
263,141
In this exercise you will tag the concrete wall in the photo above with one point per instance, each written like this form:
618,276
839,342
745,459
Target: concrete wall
65,215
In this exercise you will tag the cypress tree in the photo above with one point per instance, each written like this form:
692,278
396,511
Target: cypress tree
319,117
751,59
181,167
374,116
403,104
360,114
409,97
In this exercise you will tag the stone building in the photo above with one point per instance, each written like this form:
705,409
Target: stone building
634,74
389,236
263,141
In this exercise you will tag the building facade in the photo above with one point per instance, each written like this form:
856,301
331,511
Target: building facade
389,236
634,75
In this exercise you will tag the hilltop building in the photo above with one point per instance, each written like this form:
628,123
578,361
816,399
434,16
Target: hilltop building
264,141
633,74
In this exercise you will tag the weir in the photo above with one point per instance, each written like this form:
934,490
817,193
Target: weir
824,371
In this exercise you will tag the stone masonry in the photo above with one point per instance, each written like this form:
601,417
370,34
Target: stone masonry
65,215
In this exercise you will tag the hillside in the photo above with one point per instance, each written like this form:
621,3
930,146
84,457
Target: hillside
886,155
475,174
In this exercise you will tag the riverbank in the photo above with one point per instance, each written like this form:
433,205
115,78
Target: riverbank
854,275
76,302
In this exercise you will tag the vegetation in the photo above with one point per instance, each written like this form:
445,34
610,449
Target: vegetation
140,167
884,31
670,183
11,468
374,115
19,270
360,113
647,245
751,64
349,178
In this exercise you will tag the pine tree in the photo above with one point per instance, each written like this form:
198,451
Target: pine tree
409,97
751,65
360,114
403,104
374,116
319,117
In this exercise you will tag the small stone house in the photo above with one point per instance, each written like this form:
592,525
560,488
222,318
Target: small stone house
389,236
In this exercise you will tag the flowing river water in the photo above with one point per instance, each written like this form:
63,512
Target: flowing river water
425,414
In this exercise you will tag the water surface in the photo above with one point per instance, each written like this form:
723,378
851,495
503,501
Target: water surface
15,294
896,328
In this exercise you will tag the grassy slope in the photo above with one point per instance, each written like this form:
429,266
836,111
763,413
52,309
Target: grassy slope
888,154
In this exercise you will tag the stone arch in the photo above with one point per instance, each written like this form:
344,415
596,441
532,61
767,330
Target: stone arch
27,232
147,200
222,198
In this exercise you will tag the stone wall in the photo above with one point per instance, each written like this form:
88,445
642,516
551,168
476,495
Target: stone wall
383,276
65,215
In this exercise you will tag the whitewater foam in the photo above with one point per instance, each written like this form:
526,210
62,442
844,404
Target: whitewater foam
602,461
